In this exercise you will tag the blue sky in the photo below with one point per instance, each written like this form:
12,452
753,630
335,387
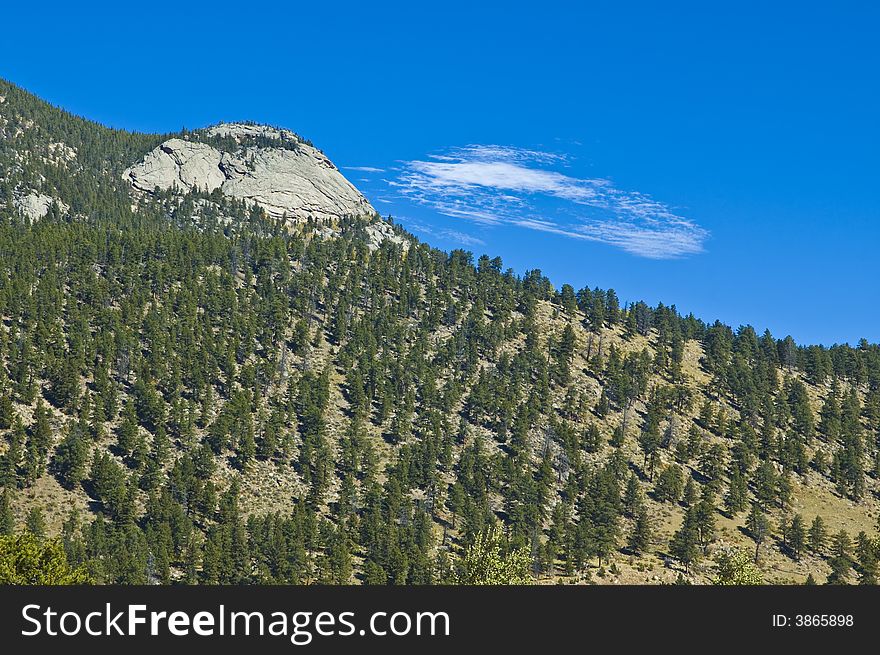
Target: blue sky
718,156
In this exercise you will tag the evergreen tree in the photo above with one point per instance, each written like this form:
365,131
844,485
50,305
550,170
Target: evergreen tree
640,535
35,523
737,496
7,518
758,526
669,484
817,536
685,543
797,536
71,459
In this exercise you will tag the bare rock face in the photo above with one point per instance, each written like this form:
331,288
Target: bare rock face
379,232
269,167
36,205
243,131
184,165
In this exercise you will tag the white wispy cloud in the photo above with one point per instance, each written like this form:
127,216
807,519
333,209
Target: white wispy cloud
492,185
364,169
455,236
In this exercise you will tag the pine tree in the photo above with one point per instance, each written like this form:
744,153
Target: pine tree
10,474
640,535
689,495
830,416
866,551
758,526
617,436
7,410
841,558
35,523
669,484
649,441
603,406
766,484
38,443
817,536
705,518
632,496
70,462
685,546
127,432
7,518
797,536
591,438
247,449
737,496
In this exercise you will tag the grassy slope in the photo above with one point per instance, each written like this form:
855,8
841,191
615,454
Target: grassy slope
268,487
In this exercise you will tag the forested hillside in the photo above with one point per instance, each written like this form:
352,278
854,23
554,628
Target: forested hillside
193,392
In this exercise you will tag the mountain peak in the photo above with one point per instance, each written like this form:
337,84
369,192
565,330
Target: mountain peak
268,166
244,131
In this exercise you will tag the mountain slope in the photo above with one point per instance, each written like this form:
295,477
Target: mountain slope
224,394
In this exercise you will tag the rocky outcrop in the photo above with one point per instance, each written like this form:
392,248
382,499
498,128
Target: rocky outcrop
36,205
244,132
184,165
379,232
267,166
